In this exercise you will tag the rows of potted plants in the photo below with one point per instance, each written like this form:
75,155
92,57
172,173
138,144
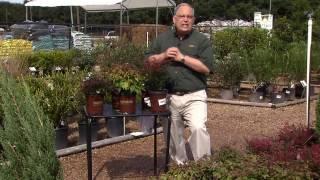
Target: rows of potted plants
272,66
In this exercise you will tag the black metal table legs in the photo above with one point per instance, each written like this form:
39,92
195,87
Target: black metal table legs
89,146
89,149
168,145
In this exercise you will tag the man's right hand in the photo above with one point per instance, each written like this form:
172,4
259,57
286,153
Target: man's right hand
155,61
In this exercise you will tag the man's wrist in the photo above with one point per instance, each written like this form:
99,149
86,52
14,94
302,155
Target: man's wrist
182,60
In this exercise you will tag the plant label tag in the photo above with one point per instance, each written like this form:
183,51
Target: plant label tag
147,101
287,92
278,96
162,101
260,97
303,83
32,69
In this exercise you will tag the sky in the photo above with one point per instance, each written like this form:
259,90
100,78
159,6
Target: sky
13,1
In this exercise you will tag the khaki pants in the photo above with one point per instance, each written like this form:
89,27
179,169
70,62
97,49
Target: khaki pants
189,110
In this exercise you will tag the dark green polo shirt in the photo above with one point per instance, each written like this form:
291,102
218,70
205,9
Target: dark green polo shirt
181,77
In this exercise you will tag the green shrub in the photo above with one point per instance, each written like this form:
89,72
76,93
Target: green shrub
59,94
47,60
26,136
261,63
121,52
229,69
238,40
126,78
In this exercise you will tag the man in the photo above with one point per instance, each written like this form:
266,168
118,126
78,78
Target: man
187,57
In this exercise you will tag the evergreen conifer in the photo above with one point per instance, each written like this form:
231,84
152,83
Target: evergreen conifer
27,135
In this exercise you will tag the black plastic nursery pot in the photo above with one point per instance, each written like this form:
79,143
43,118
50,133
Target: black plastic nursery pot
289,94
256,97
61,138
277,97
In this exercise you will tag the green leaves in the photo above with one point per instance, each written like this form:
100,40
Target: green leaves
126,77
26,135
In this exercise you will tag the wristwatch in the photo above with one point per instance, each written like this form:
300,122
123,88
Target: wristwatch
182,59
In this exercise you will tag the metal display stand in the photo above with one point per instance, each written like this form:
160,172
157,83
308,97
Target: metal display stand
108,113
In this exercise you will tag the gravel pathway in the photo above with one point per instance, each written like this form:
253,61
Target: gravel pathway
228,125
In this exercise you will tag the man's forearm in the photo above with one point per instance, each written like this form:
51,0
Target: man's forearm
196,65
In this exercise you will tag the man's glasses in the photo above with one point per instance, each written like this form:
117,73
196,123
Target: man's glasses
185,16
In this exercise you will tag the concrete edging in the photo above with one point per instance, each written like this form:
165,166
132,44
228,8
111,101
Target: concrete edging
101,143
268,105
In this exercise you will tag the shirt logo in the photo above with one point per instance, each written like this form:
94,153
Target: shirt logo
191,46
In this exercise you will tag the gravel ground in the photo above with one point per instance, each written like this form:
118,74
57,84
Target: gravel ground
228,125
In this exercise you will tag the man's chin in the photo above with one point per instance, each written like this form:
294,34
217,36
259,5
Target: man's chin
184,31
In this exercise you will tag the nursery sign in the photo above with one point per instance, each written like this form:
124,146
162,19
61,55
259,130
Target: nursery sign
264,21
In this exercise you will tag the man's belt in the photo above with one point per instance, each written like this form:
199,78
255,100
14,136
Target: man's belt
183,92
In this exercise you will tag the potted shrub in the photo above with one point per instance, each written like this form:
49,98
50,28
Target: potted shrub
156,92
59,96
94,87
128,81
229,71
261,64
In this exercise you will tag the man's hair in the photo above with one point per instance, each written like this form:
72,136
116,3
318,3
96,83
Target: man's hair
183,4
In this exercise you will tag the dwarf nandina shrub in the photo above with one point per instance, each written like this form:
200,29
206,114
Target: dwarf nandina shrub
292,143
262,145
298,136
315,153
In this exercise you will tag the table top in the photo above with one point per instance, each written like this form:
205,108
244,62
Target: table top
108,111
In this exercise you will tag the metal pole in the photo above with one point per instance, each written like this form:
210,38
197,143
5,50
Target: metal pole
85,22
157,14
31,13
270,2
155,163
89,148
26,13
147,39
308,68
121,19
71,16
78,18
167,144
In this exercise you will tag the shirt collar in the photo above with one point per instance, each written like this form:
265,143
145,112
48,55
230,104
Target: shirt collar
176,35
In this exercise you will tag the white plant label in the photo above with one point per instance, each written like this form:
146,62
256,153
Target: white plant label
162,101
260,97
278,96
32,69
304,83
287,92
147,101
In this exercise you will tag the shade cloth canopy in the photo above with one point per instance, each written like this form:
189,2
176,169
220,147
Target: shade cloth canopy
55,3
129,5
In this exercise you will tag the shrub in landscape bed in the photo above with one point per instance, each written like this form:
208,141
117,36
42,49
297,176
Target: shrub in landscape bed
48,60
230,164
293,143
26,135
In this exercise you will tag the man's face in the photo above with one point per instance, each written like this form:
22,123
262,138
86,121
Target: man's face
183,20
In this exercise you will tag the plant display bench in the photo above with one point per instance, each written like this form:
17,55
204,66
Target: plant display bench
109,113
